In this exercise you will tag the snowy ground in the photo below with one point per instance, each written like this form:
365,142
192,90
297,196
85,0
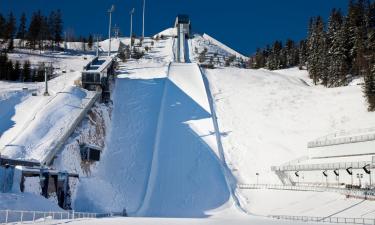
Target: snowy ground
32,123
306,203
161,156
224,220
268,117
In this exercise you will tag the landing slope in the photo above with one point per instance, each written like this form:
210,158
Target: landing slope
186,178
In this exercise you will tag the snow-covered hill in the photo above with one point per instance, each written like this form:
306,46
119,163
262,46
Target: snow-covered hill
269,116
163,154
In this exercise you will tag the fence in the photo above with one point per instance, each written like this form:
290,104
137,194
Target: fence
322,166
11,216
350,193
343,220
344,137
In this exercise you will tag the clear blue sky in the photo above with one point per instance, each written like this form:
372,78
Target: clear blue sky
242,24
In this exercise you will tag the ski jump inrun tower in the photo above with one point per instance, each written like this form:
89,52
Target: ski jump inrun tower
183,26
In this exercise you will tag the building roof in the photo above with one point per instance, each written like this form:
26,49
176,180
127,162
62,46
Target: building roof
97,65
182,18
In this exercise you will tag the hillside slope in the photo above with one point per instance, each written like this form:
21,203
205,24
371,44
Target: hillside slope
268,117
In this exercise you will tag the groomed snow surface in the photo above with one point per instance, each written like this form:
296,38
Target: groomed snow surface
161,150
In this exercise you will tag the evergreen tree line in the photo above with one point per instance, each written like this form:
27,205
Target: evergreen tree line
334,52
42,31
20,71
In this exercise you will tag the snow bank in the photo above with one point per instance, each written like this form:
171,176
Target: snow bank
267,118
26,201
306,203
223,46
169,32
37,138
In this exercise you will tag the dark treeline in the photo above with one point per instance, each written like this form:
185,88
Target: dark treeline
38,32
334,52
41,32
20,72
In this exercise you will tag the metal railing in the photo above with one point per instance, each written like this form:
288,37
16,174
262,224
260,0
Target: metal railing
12,216
344,137
350,193
322,166
343,220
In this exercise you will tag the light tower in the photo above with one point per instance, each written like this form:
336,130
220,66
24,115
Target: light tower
110,11
131,26
143,19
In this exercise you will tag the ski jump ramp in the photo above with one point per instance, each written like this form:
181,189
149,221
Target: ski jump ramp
162,157
186,178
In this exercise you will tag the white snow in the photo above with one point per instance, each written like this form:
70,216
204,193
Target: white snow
26,201
161,155
223,46
268,117
306,203
161,149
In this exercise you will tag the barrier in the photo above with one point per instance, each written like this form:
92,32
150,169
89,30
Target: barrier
13,216
344,137
343,220
322,166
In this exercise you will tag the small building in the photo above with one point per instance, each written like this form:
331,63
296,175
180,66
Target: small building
96,73
90,153
183,22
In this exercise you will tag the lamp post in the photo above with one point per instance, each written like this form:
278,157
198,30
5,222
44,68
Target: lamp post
297,175
131,27
97,37
359,176
110,11
143,19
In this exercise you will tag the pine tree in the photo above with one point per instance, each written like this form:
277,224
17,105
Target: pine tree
356,24
45,32
21,34
34,30
369,89
3,65
57,27
9,70
302,54
10,45
10,27
2,26
26,71
317,52
337,53
90,42
290,50
10,30
15,73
